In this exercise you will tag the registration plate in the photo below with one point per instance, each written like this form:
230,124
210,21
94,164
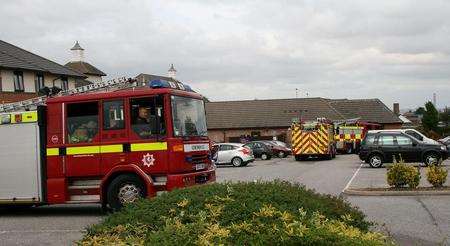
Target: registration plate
200,166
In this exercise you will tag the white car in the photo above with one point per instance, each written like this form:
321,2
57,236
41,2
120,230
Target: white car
233,153
411,132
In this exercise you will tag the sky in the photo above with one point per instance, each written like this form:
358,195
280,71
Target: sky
398,51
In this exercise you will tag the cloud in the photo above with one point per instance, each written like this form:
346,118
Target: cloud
393,50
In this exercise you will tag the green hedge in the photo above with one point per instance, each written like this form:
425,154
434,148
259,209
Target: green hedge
235,214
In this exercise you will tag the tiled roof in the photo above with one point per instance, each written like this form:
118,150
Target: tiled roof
370,110
14,57
280,112
85,68
267,113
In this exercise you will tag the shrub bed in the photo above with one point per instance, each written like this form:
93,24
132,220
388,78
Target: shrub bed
436,175
399,175
270,213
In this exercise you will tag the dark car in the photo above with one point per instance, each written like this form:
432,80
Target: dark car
383,147
260,149
278,148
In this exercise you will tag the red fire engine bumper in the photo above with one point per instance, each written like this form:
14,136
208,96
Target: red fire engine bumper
190,179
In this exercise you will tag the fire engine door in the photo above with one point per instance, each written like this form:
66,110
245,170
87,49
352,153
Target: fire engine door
114,136
83,141
147,133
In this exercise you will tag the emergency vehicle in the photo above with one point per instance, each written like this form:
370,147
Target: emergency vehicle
313,139
109,143
350,133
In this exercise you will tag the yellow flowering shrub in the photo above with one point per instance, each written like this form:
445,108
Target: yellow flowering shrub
220,214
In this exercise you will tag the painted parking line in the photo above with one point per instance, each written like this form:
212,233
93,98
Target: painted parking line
353,177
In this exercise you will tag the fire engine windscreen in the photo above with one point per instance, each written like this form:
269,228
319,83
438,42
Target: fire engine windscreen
188,116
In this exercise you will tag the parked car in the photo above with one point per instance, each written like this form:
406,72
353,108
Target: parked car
279,148
260,149
233,153
411,132
445,141
383,146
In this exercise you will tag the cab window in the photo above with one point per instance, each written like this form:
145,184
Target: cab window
82,122
147,117
113,115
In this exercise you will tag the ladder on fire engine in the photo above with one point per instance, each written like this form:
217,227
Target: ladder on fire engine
30,104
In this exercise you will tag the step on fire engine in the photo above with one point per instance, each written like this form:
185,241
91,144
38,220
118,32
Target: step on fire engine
109,143
313,139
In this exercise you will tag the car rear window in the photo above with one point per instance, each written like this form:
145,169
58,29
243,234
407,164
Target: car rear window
369,140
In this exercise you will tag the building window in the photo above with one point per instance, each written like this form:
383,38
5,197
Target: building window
39,82
18,82
64,84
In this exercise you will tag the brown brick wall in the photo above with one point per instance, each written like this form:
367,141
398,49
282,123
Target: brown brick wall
226,135
8,97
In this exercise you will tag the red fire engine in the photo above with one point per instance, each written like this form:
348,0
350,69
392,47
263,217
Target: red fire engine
108,147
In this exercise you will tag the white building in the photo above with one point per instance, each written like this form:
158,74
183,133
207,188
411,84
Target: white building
78,64
23,74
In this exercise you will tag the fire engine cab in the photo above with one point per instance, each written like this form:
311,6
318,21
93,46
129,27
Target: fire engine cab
107,147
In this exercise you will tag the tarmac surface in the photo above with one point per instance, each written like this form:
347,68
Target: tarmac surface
411,220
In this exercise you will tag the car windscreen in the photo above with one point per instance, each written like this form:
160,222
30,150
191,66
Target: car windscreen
188,116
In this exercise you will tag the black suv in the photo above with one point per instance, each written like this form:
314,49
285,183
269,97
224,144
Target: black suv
381,147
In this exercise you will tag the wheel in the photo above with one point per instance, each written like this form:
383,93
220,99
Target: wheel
123,190
264,156
299,158
376,161
430,159
236,162
281,154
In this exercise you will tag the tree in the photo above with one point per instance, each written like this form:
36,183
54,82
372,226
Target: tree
420,110
430,118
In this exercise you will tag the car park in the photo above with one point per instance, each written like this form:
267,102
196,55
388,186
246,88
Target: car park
379,147
233,153
279,148
260,149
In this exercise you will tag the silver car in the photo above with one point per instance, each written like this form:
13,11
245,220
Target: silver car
233,153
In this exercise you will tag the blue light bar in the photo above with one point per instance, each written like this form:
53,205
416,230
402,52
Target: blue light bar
160,83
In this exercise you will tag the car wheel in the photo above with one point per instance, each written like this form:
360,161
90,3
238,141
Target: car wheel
236,162
264,156
376,161
123,190
430,159
281,154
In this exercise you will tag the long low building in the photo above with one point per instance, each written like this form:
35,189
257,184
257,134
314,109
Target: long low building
230,121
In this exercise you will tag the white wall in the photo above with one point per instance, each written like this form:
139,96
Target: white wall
29,80
93,78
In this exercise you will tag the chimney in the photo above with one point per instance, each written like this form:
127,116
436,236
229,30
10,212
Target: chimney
397,109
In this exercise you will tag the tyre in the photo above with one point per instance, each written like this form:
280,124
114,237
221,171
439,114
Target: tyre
237,162
281,154
376,161
265,156
124,189
430,159
299,158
